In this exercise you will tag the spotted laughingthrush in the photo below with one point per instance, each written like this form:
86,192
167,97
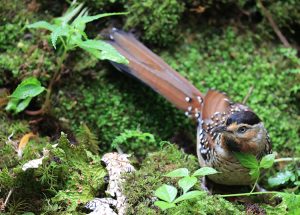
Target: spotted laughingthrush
224,127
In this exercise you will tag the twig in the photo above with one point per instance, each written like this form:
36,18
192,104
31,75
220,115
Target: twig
248,194
273,25
8,196
248,95
286,159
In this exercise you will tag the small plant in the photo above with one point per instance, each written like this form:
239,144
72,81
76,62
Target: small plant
23,94
69,32
135,141
168,193
249,161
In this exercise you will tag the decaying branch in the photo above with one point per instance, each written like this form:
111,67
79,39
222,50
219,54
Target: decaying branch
116,165
273,25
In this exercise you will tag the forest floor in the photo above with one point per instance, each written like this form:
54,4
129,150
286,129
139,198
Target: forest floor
82,108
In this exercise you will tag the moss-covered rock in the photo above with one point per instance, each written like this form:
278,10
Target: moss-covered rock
160,25
68,176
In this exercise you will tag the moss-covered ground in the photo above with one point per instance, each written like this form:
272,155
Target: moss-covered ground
224,45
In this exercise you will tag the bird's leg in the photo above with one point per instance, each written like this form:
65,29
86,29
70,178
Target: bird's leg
204,185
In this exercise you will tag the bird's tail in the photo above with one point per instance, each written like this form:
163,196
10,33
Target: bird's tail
154,72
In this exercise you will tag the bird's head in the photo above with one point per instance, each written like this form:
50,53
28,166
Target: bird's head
244,132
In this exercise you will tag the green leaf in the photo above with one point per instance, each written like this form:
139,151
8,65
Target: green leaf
189,195
164,205
205,171
12,104
187,183
30,80
280,178
81,20
69,14
247,160
102,51
23,94
58,32
42,24
25,91
254,173
267,161
23,104
181,172
166,192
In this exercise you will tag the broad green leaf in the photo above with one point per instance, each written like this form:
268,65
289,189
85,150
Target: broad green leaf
166,192
30,80
205,171
267,161
58,32
181,172
28,90
107,51
23,94
280,178
247,160
189,195
164,205
187,183
12,104
23,104
42,24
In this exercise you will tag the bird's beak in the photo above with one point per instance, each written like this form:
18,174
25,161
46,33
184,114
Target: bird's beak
220,129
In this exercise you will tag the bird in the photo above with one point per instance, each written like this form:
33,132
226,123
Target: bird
224,127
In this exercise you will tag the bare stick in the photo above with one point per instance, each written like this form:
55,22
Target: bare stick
248,95
274,25
286,159
8,196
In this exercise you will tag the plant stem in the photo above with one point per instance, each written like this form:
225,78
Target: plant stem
47,103
248,194
286,159
273,25
255,183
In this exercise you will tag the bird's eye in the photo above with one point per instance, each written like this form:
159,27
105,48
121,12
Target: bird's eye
242,129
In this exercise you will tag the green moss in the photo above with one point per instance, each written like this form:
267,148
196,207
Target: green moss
69,176
136,142
140,186
207,205
160,25
14,11
233,61
22,53
112,103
